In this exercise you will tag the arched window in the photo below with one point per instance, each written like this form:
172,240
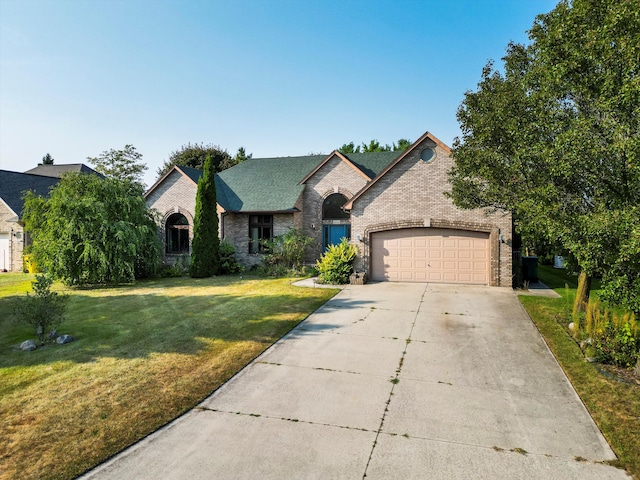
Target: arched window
334,231
177,229
332,207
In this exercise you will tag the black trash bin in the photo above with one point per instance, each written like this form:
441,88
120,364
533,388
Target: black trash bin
530,269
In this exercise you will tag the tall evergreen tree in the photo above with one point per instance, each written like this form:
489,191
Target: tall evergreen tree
205,250
47,159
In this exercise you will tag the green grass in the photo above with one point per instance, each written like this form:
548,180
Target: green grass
614,405
144,354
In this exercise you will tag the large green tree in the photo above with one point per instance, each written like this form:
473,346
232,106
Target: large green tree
122,164
92,231
205,249
194,155
554,139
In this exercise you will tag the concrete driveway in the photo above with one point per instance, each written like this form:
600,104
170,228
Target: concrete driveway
388,381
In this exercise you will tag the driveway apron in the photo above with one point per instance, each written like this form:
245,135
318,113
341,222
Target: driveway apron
388,381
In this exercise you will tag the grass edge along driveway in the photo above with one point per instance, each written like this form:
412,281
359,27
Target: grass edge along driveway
144,354
614,405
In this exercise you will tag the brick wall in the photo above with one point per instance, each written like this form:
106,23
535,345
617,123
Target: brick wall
333,177
236,231
412,195
177,194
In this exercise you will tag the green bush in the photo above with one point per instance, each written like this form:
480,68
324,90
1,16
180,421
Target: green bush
44,310
179,268
285,252
617,345
228,262
336,264
613,338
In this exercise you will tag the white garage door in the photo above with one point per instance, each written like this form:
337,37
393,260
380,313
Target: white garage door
4,251
430,255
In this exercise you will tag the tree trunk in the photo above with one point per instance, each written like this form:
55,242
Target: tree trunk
582,294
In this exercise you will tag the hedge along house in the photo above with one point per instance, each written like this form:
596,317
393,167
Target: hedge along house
390,204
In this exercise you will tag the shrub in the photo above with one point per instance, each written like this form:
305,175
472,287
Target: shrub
285,252
617,345
336,264
228,262
44,310
179,268
205,254
614,338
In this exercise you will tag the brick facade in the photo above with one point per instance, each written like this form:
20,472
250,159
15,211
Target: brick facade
176,194
236,230
408,194
411,194
335,176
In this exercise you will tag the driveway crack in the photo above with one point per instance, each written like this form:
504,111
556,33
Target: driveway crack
394,381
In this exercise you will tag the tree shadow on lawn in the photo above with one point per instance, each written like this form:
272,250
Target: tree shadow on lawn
137,326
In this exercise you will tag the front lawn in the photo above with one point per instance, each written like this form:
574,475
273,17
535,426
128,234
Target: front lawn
613,403
144,354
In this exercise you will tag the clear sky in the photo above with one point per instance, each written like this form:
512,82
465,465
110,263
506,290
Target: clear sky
279,77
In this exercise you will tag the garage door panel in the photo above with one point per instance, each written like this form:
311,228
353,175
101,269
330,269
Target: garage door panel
430,255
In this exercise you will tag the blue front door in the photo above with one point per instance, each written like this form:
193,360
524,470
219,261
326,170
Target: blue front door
332,234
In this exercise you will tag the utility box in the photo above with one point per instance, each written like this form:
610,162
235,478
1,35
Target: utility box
530,269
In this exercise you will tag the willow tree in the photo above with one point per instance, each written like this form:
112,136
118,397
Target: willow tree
554,139
92,231
205,249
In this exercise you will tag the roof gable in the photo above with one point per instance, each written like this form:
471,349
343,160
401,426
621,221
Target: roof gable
427,135
342,158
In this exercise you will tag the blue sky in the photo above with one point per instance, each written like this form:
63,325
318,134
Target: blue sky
277,77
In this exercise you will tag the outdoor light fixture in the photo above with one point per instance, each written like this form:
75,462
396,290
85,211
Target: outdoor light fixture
359,237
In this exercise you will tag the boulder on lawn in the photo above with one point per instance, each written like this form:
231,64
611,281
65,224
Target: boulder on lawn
65,339
28,345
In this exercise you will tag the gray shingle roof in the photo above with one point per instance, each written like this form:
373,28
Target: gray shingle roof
59,170
264,184
372,163
13,186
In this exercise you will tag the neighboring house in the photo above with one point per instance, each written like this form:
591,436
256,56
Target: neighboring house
390,204
13,186
57,171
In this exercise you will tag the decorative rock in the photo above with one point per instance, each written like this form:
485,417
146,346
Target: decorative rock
28,345
585,343
572,326
358,278
65,339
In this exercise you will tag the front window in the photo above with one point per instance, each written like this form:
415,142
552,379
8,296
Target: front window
260,228
177,234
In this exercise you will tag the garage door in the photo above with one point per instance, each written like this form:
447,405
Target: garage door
430,255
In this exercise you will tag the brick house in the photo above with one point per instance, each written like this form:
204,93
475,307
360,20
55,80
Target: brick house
390,204
13,186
